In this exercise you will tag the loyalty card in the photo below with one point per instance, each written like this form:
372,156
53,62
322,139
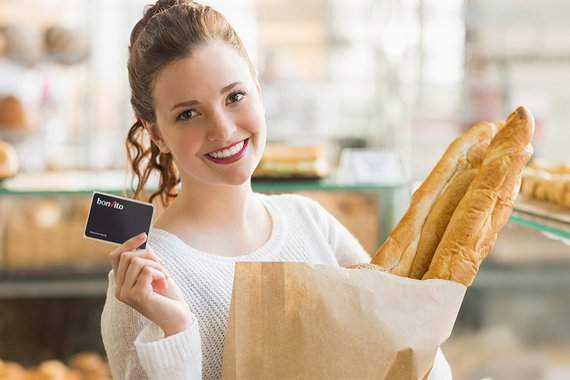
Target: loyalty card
116,219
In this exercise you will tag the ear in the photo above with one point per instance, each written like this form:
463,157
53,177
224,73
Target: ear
155,135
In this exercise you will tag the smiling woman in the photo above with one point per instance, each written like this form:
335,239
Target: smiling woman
200,123
146,64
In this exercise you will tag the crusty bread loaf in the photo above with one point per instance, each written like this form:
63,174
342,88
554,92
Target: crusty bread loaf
437,221
448,181
487,204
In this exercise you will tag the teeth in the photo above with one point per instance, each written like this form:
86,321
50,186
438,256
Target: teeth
228,152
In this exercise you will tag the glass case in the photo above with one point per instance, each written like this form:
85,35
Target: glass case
514,319
43,217
47,265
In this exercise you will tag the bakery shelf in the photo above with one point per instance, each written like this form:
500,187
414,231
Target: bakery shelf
392,196
63,183
551,219
551,228
54,282
78,182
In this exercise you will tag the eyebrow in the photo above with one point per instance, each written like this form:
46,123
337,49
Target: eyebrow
189,103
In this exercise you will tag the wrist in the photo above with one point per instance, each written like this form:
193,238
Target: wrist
178,325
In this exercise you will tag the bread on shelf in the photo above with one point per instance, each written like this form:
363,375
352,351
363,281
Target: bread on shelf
12,113
547,185
292,161
9,162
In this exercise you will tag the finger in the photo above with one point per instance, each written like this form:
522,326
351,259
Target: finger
126,261
153,256
150,276
148,253
130,245
137,264
121,270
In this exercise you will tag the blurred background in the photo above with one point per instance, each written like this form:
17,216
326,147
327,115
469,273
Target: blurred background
401,78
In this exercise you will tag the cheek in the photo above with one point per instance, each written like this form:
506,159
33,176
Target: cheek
185,142
255,119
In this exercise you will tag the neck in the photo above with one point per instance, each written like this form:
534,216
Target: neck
222,220
216,206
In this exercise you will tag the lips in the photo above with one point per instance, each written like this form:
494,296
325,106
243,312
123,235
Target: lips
229,154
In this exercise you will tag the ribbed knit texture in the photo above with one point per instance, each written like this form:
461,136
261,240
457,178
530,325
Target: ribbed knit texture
303,231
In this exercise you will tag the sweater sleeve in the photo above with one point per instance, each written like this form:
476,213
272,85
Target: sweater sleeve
346,247
137,349
175,357
120,325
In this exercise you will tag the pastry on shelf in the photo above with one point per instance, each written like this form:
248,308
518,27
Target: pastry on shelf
547,185
288,161
12,371
64,45
53,370
22,44
9,163
82,366
91,365
14,123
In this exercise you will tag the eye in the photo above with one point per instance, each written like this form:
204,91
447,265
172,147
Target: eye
186,115
236,97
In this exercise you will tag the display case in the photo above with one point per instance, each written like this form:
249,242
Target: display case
47,265
514,319
43,251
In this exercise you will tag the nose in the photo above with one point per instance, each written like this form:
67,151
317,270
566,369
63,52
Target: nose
222,127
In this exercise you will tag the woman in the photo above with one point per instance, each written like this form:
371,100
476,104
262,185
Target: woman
195,94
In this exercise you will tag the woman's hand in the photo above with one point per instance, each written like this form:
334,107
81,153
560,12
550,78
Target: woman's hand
142,283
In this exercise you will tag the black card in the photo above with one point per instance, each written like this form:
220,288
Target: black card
116,219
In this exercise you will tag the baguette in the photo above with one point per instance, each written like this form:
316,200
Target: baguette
487,204
437,221
448,180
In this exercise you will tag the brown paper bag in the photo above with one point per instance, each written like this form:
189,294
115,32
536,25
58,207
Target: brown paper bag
302,321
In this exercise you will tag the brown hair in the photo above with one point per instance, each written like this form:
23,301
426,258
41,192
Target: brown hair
169,30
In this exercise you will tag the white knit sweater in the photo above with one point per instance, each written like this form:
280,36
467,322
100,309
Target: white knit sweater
303,231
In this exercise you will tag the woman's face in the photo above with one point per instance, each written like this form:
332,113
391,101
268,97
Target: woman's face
209,116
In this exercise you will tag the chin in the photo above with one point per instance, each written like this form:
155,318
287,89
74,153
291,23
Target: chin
234,179
238,180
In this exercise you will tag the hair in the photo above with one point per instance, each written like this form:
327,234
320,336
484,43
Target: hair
169,30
